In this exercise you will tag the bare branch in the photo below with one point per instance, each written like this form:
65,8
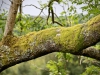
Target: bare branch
20,17
58,23
57,17
48,15
37,8
11,1
1,5
38,15
50,10
52,15
32,5
6,3
53,20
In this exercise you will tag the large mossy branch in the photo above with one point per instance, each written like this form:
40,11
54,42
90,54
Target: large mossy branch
14,50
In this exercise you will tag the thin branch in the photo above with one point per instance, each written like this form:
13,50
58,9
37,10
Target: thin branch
6,3
20,17
48,15
32,5
23,0
52,15
57,17
65,11
50,10
10,0
58,23
38,15
53,20
37,8
3,2
1,5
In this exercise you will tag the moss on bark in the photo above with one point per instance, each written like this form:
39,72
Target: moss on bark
73,39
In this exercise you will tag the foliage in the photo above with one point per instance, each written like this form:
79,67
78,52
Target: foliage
28,23
92,70
64,65
58,67
3,17
92,10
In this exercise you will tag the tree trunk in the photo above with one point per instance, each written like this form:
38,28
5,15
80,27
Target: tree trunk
11,17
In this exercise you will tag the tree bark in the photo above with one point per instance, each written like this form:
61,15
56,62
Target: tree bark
11,17
75,39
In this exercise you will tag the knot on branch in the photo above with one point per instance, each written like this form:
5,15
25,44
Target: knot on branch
9,40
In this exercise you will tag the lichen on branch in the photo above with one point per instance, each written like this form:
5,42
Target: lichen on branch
14,50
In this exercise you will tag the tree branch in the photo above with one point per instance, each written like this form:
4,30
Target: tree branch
74,40
33,5
1,5
91,52
48,15
50,8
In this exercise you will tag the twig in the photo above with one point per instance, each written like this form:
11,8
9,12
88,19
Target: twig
58,23
20,17
48,15
50,8
6,3
57,17
10,1
1,5
38,15
32,5
52,15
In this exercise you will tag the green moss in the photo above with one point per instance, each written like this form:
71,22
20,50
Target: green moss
9,40
24,41
94,20
44,35
70,38
93,24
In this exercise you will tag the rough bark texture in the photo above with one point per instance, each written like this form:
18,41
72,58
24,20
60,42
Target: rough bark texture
91,52
14,50
11,17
